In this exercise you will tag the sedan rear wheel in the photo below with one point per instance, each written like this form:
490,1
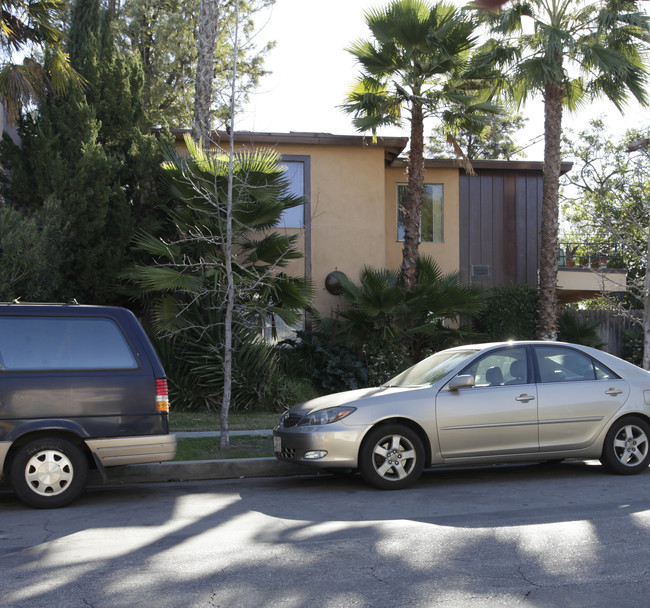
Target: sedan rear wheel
627,446
391,457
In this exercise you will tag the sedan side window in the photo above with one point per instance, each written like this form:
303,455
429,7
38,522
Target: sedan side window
560,364
503,367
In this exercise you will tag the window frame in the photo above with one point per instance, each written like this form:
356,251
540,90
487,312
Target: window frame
441,228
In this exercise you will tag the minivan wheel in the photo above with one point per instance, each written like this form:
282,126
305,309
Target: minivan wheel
48,473
627,446
391,457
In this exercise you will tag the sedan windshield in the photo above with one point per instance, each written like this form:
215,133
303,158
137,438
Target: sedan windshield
431,369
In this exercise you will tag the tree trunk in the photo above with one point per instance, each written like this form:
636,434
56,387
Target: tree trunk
548,303
206,45
646,311
230,279
413,210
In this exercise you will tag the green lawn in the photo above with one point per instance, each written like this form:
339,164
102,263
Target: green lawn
207,448
209,421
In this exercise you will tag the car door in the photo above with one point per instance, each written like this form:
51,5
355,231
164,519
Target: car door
497,414
576,394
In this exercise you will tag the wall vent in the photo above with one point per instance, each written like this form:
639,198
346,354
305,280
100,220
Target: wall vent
481,271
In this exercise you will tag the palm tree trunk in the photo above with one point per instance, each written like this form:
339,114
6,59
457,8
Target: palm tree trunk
206,45
413,211
548,303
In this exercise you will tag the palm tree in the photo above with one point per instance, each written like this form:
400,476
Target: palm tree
28,26
187,278
575,51
417,62
382,318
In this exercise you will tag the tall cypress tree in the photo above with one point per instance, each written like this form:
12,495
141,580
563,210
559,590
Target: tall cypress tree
92,152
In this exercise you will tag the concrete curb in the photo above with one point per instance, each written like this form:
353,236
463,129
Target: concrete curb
195,470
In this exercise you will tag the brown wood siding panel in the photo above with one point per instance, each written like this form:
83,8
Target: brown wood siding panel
500,214
498,230
521,223
484,254
463,226
533,229
475,221
509,228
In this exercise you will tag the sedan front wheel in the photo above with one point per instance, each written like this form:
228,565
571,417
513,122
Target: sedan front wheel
627,446
391,457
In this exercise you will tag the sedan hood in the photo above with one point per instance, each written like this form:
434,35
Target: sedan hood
359,397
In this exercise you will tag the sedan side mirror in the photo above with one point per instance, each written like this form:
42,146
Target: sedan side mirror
457,382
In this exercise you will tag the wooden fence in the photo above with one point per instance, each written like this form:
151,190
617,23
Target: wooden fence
611,327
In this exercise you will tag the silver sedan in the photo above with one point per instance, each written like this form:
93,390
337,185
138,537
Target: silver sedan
477,404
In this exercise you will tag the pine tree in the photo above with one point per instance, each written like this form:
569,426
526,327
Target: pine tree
92,152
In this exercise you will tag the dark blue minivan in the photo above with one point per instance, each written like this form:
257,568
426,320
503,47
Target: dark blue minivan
80,387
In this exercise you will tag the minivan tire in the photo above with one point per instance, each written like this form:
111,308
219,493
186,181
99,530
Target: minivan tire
49,472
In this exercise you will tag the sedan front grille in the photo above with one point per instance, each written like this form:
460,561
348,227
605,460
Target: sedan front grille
291,420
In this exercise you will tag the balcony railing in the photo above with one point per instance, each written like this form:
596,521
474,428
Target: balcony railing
589,255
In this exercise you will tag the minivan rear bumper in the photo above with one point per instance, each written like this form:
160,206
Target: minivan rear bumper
116,451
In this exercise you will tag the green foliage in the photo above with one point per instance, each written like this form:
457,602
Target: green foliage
194,366
384,328
633,345
492,140
419,53
509,313
604,45
30,253
607,201
185,278
572,329
29,30
381,312
91,152
331,366
162,37
577,51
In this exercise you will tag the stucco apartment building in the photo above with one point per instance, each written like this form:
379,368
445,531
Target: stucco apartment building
486,225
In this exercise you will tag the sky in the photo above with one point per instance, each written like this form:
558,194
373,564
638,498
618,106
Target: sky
311,73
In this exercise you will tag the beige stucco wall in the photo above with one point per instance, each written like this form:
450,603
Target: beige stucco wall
347,212
353,197
447,253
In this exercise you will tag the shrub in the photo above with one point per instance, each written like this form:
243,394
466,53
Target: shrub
510,313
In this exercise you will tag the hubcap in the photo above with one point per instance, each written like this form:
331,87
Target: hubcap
631,445
49,472
394,457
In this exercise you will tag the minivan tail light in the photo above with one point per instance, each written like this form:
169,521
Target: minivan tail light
162,395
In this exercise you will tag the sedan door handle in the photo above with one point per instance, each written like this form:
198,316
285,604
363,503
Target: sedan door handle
613,392
524,398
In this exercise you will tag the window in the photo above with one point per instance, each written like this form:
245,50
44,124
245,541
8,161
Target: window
431,227
294,217
49,343
559,364
503,367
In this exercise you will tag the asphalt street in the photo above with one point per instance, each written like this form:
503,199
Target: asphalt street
566,535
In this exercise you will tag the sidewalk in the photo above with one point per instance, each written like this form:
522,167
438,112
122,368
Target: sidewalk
194,470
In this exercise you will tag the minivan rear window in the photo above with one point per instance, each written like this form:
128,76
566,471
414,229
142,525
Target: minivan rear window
61,343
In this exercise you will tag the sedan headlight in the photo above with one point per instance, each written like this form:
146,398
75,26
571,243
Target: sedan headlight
326,416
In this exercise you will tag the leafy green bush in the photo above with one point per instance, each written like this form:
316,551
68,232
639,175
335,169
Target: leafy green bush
510,313
633,345
332,366
571,329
